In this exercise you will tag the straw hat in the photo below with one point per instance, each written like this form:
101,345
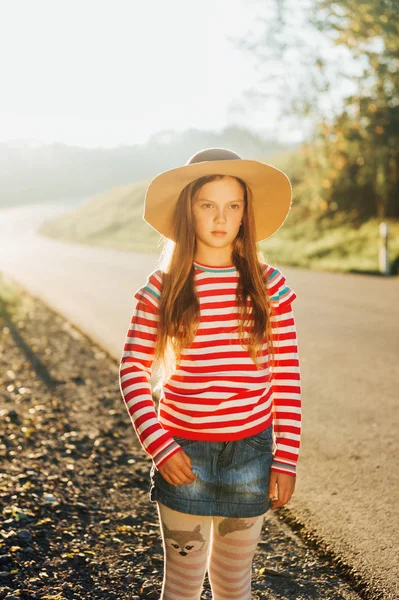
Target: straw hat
270,189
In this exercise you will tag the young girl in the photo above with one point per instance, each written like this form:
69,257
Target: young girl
220,321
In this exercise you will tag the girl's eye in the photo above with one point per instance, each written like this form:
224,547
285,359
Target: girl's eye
208,205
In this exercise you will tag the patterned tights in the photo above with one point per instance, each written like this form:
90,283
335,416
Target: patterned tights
194,544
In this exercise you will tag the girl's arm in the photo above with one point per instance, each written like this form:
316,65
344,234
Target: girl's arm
134,375
286,381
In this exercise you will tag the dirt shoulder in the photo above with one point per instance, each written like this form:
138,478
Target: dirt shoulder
76,521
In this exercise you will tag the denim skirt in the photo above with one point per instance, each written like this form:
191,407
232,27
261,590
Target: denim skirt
232,478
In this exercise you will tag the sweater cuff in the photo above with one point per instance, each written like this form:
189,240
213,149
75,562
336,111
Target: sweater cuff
166,453
280,467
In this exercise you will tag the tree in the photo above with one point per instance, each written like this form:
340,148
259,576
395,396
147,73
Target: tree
370,120
351,149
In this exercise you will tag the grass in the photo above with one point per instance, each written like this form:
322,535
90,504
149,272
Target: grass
110,220
8,297
333,243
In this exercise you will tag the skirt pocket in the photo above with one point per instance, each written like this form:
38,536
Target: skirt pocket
263,440
183,442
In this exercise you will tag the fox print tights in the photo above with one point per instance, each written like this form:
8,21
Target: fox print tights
194,544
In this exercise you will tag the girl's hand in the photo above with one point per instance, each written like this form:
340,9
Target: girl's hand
285,488
177,469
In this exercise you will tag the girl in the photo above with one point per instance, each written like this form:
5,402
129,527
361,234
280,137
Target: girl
219,319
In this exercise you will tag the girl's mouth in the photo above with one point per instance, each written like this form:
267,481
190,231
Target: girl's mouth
219,233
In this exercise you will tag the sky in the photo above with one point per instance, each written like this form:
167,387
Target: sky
110,72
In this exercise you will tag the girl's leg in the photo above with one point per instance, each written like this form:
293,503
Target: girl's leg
233,545
185,540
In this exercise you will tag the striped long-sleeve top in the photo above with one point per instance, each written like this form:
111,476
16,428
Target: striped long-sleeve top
216,392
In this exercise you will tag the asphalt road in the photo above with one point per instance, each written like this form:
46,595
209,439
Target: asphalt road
347,492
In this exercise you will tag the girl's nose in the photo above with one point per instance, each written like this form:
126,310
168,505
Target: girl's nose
220,216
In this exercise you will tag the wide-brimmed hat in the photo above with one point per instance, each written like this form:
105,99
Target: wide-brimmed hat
270,190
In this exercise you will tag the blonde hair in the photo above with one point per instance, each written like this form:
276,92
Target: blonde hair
179,311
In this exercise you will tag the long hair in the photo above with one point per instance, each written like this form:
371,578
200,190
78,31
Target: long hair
179,310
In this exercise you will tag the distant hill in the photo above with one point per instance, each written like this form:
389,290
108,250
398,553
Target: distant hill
31,173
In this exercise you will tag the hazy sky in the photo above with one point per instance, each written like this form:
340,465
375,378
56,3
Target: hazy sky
108,72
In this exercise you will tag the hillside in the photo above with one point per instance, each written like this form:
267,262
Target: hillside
31,173
335,242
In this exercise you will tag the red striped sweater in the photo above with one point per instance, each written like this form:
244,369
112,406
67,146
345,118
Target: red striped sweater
216,392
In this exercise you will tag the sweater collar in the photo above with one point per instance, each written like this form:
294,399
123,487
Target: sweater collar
213,269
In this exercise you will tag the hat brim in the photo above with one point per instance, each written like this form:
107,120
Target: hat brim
270,188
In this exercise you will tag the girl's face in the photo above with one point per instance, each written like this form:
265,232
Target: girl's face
218,209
